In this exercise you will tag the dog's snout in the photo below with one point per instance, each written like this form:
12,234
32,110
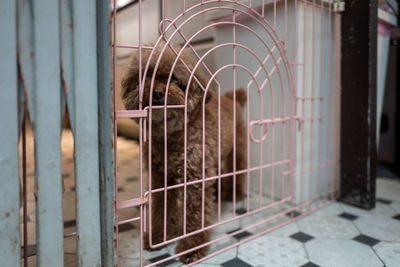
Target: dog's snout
158,96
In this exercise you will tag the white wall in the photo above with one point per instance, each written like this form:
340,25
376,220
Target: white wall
315,83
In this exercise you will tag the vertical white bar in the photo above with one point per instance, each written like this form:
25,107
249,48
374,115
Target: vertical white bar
86,134
9,176
47,131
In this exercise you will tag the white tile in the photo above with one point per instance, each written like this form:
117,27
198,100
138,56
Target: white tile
380,209
395,206
332,209
286,230
388,189
389,252
128,262
383,228
331,227
273,251
339,253
223,257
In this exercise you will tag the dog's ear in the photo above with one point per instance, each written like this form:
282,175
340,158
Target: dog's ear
129,81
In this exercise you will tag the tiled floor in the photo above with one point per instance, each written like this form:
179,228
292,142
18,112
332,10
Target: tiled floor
337,235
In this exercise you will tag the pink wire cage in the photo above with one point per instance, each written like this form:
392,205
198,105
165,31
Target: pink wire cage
287,68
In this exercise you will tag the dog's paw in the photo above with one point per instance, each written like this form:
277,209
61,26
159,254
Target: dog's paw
191,257
146,243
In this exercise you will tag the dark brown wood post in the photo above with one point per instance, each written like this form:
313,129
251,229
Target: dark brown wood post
358,115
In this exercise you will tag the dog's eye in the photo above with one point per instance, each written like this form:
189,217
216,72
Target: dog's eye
174,80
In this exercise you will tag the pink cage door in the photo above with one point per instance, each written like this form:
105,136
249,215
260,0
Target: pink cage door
232,130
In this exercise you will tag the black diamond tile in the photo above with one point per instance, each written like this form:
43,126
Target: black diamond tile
161,257
241,211
65,175
121,189
397,217
348,216
301,237
384,201
72,188
132,179
235,263
294,213
69,223
125,227
240,235
310,264
366,240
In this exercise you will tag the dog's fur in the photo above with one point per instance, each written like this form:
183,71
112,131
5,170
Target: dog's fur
175,145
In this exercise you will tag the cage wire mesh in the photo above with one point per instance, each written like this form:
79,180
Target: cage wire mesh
191,196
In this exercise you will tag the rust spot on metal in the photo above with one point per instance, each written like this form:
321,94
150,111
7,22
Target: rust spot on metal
37,188
64,83
76,200
31,54
71,26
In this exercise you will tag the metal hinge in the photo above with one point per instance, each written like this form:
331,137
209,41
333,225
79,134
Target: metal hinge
338,5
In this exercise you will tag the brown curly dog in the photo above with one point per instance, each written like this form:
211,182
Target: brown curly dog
198,215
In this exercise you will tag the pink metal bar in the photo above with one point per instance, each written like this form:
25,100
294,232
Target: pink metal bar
303,106
140,33
130,220
132,202
320,103
131,114
234,112
310,2
134,47
24,190
310,190
114,66
268,165
70,235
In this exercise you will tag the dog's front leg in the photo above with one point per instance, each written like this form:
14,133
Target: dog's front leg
194,214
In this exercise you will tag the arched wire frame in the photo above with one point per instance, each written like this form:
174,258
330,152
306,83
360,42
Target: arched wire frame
281,66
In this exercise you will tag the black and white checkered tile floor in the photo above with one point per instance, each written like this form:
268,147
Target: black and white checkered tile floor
338,235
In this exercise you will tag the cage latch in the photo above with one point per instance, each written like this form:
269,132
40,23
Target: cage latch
339,5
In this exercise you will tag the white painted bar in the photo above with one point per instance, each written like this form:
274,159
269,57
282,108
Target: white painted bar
86,133
47,132
9,176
